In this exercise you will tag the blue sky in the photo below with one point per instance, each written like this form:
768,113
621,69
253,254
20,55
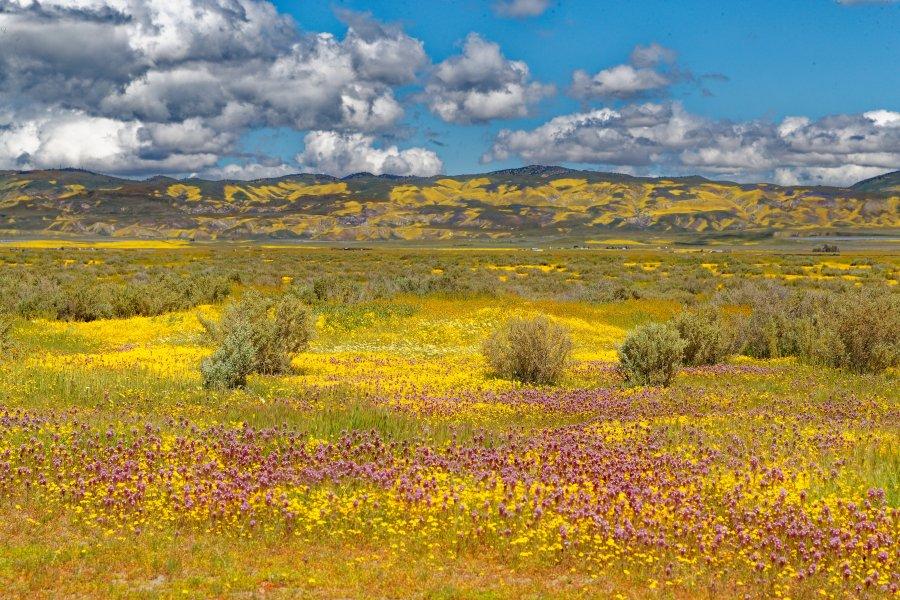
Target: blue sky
806,57
793,92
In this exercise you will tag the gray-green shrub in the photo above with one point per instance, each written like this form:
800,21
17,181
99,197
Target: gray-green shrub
707,336
857,330
6,324
651,355
529,350
256,335
775,325
231,363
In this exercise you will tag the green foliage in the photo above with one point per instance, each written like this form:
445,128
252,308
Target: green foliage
529,350
83,298
6,324
774,327
858,331
604,291
256,336
231,363
651,355
707,336
837,326
331,289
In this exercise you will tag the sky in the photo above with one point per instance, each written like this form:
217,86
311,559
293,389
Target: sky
800,92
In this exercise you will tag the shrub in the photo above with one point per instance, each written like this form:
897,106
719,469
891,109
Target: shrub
651,355
775,326
288,333
858,331
84,302
256,337
230,364
602,291
5,332
79,298
707,337
529,350
330,288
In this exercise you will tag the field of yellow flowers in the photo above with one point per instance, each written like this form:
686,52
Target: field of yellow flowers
392,463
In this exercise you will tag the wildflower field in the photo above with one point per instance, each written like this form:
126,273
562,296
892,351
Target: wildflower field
390,461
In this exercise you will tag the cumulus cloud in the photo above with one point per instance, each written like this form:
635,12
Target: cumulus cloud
844,175
341,153
65,138
179,81
382,52
519,9
481,85
249,171
833,149
652,55
646,72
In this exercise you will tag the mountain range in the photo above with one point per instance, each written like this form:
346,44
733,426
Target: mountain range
523,203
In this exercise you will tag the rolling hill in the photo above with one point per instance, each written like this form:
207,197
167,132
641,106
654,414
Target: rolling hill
534,201
889,183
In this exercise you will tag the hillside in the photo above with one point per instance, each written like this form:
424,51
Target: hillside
526,202
889,183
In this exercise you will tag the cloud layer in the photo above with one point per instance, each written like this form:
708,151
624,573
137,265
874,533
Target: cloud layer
646,73
168,85
481,85
347,153
140,87
519,9
664,137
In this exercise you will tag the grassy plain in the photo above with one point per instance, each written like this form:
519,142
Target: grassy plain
391,463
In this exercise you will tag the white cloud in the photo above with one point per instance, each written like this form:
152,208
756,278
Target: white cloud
652,55
482,85
841,176
382,52
519,9
621,81
833,149
339,154
59,139
250,171
643,75
188,77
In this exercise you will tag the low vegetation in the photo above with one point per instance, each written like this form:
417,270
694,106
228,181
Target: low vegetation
256,335
855,329
651,355
707,335
464,423
6,324
858,331
529,350
56,296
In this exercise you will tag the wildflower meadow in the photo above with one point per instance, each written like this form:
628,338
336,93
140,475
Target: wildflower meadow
388,458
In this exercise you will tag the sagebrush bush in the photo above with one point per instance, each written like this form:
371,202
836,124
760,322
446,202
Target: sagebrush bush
835,325
6,324
708,338
529,350
84,302
651,355
257,330
81,298
858,331
774,326
231,363
330,288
